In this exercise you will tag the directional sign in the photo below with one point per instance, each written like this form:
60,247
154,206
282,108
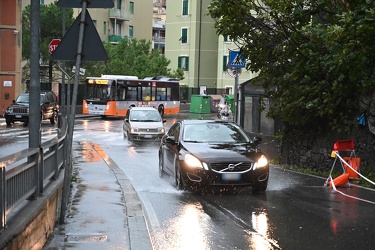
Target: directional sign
53,45
236,60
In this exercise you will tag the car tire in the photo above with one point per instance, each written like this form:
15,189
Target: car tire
8,122
53,118
259,188
161,110
161,169
178,178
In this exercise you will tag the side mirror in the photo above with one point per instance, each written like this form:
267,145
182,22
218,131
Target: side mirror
164,121
257,140
170,139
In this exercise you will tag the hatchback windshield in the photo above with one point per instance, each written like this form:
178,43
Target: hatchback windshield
214,132
145,116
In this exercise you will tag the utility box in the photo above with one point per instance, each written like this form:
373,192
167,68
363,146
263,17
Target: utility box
214,101
200,104
230,101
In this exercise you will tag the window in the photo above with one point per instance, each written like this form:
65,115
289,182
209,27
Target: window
94,21
185,7
119,4
131,8
131,30
183,63
104,27
183,38
225,62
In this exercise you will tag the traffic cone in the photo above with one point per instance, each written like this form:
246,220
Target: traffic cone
340,180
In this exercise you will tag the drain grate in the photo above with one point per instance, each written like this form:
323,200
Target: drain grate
80,238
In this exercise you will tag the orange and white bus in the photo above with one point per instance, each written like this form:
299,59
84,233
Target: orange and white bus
113,95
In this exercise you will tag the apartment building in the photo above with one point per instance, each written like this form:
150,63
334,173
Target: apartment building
193,45
10,51
158,25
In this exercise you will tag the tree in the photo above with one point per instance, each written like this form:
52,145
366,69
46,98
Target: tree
51,24
51,18
315,57
132,57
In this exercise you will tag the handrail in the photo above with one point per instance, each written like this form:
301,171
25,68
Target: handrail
25,174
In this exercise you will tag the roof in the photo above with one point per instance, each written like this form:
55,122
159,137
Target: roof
143,108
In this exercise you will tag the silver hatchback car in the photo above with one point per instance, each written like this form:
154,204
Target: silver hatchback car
143,124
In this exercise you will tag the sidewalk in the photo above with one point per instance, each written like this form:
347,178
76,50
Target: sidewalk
105,212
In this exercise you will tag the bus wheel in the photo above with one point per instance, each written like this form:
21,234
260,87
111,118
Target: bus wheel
161,110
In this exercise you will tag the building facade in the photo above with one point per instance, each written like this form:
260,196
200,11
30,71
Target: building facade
10,51
193,45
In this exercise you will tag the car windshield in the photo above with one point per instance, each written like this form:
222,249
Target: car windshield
26,98
213,133
23,99
145,116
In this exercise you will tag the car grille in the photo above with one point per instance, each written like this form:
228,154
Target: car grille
236,167
151,130
20,110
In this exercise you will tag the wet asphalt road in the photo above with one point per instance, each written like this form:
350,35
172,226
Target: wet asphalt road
296,212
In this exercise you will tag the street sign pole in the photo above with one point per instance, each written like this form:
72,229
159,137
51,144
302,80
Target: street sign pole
237,61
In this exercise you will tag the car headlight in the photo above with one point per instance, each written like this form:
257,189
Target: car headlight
134,130
193,162
161,130
262,162
9,110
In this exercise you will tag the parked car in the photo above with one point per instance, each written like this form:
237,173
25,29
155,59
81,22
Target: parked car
18,111
143,124
207,153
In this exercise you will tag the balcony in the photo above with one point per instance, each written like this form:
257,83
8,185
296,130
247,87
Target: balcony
116,38
119,14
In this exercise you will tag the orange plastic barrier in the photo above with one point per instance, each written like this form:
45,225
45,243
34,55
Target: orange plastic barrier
354,163
343,145
340,180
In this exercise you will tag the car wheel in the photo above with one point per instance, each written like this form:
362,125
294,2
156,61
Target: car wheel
53,118
178,178
161,169
259,188
9,122
130,139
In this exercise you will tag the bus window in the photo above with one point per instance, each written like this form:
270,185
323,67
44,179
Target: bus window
131,94
121,93
146,94
161,94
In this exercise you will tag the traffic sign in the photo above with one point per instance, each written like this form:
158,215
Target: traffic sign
236,60
53,45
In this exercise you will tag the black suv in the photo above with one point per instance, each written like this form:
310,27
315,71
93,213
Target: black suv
19,110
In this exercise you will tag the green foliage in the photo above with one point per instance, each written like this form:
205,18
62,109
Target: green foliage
132,57
315,57
51,27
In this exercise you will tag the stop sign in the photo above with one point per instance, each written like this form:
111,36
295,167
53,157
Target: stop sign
53,45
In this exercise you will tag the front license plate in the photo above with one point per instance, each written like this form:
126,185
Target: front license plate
231,177
148,136
18,116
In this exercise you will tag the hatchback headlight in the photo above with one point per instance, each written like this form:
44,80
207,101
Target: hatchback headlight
194,162
262,162
134,130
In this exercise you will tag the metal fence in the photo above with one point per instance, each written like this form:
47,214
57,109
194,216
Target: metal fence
25,174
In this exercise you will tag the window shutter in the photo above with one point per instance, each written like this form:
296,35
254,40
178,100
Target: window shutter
225,58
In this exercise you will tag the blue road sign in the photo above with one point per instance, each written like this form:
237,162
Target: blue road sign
236,60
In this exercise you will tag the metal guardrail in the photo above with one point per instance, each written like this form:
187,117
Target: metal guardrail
25,174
